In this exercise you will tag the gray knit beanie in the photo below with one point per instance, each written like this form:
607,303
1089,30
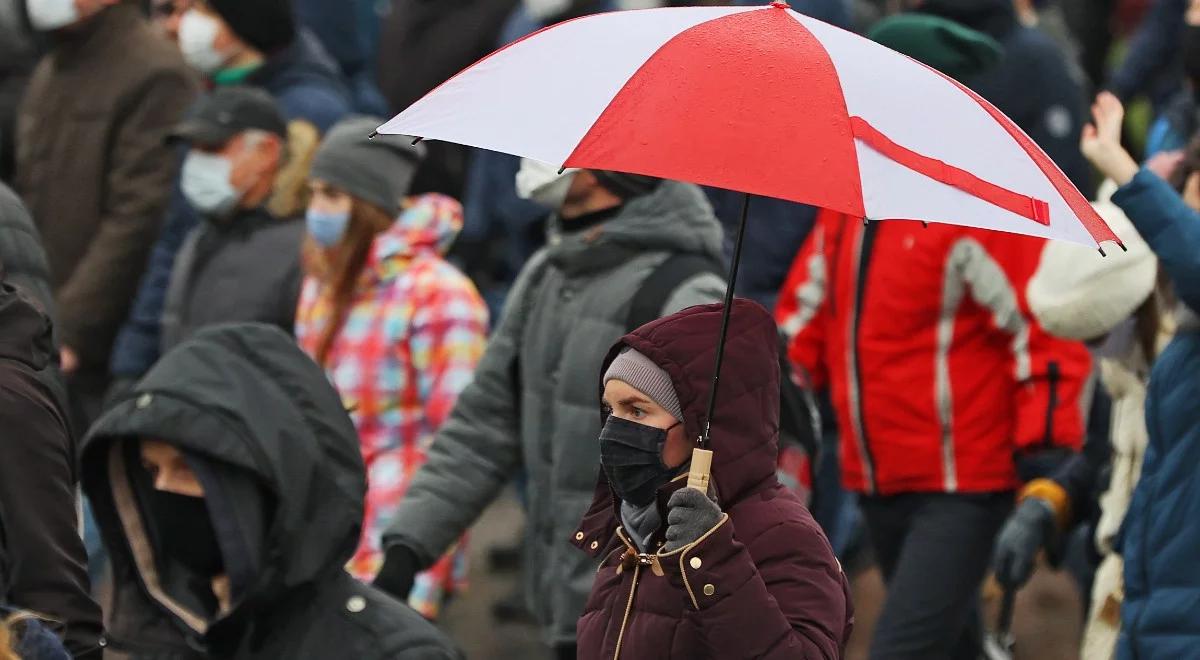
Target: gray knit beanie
646,377
379,171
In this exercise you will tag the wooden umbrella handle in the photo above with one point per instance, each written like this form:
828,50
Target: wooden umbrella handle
700,471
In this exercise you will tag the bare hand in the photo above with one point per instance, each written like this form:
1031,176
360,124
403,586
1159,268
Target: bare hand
68,360
1101,141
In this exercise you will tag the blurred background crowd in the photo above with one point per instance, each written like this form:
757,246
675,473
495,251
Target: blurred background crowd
170,165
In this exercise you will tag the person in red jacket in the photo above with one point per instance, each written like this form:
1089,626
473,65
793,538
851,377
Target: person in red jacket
742,572
948,394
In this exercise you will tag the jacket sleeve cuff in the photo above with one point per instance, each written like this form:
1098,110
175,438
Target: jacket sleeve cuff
711,568
1146,189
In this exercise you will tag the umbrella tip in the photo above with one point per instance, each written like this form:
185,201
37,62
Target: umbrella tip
416,140
373,135
1102,252
1122,244
562,169
866,221
924,225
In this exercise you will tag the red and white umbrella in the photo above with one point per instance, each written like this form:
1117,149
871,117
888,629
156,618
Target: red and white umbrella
761,100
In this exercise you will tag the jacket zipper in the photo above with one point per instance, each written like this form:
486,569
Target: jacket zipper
861,265
1052,375
637,569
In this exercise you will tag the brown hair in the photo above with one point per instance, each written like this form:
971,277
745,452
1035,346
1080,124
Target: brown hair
344,266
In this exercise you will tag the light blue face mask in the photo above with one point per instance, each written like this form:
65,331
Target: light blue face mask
327,229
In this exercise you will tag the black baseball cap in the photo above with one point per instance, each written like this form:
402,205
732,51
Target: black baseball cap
227,111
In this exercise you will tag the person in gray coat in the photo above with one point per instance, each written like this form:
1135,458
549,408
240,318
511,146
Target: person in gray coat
532,405
242,263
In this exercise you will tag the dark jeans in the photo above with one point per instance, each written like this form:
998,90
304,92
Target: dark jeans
934,550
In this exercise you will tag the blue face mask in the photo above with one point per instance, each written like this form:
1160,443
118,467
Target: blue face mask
327,229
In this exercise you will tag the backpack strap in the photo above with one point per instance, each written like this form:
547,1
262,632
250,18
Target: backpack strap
656,290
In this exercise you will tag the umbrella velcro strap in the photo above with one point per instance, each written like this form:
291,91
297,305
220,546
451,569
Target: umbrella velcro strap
942,172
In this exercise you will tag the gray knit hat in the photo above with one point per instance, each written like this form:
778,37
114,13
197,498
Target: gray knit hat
646,377
379,170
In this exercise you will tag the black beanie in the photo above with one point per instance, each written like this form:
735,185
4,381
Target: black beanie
626,186
267,26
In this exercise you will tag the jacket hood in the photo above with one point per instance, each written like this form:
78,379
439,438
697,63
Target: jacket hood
995,18
745,426
246,401
27,334
427,223
675,217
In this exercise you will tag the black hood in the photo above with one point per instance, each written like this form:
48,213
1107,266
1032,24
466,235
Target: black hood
280,459
26,336
996,18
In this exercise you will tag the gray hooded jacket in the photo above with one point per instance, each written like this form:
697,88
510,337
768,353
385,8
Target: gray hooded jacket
534,402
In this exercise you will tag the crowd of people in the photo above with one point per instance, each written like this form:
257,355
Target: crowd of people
261,370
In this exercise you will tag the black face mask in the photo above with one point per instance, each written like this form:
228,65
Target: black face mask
631,455
1191,54
185,532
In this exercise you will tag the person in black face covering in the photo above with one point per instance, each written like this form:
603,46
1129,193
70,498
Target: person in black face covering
228,486
643,447
172,500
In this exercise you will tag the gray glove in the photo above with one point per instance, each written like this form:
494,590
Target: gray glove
691,514
1030,528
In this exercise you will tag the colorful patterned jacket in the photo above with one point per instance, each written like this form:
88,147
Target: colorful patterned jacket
408,346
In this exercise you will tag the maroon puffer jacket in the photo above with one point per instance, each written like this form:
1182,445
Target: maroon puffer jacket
761,584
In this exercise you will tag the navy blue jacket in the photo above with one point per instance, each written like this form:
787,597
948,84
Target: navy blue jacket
307,84
1035,84
1153,51
1160,536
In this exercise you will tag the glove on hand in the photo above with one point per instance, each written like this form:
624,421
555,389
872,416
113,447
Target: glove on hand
691,514
1028,530
398,572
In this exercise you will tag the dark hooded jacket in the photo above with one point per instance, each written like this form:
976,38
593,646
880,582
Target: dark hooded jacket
764,582
1036,84
284,484
42,560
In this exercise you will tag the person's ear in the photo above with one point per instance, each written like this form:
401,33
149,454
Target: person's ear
270,153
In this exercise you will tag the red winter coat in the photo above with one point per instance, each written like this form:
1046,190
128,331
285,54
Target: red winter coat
938,372
764,582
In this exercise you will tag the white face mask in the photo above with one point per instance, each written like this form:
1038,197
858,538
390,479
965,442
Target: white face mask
197,32
542,184
47,15
205,183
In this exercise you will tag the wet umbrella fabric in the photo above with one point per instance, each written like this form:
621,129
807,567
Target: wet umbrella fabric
760,100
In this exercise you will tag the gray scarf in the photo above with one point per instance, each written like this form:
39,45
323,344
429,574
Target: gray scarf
640,522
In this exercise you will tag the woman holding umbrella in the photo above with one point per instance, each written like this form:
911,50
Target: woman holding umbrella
398,329
739,572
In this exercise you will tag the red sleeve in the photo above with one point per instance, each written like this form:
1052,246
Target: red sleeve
1051,372
802,309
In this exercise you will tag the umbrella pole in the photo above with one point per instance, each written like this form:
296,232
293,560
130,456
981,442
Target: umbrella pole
698,474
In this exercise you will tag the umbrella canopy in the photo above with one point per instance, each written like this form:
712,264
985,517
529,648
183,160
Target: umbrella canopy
761,100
